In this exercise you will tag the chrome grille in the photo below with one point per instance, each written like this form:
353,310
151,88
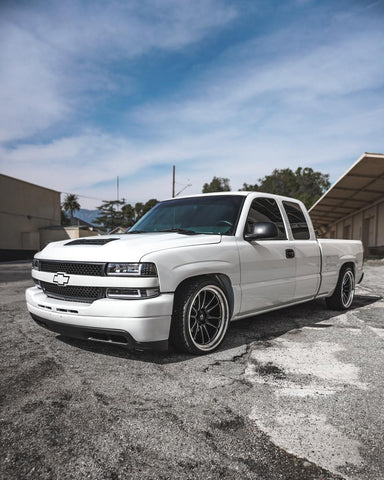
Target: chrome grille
72,268
73,293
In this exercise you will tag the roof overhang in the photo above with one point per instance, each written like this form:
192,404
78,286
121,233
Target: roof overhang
361,186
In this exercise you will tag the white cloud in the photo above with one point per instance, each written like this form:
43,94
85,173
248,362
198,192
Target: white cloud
257,108
29,96
54,55
125,29
246,91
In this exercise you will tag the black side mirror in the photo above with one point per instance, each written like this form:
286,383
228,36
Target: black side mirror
261,230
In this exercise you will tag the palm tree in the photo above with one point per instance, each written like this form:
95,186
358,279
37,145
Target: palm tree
71,203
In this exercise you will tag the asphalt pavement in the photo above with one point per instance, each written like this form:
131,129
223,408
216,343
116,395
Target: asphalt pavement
293,394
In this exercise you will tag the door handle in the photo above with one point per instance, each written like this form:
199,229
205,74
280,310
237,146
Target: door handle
289,253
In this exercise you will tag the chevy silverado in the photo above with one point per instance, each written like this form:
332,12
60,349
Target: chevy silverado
189,267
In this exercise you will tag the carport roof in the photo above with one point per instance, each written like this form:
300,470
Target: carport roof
361,186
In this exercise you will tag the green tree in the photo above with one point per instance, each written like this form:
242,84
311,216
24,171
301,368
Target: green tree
218,184
139,207
64,219
129,215
142,208
111,214
117,213
71,204
304,184
148,205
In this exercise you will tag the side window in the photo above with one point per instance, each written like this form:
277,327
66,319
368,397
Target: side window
266,210
299,226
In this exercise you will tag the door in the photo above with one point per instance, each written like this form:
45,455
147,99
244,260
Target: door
307,253
267,266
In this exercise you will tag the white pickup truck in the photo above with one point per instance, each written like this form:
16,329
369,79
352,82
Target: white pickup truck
189,267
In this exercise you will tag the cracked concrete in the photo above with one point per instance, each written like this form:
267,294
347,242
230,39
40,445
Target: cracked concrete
320,399
268,405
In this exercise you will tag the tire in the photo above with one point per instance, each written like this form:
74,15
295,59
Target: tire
200,316
342,297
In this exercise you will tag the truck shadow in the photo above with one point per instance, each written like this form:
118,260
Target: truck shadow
259,328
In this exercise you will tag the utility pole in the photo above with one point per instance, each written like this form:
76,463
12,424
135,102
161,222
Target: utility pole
173,182
117,188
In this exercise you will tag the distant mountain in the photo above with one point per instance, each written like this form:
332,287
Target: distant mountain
87,215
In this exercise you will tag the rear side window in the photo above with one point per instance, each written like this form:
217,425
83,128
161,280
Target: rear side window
266,210
299,226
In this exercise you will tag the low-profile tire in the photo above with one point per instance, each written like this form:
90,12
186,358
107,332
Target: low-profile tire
200,316
344,293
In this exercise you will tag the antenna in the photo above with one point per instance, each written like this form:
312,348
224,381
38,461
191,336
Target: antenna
182,190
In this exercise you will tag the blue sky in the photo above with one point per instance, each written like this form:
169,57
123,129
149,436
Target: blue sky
92,90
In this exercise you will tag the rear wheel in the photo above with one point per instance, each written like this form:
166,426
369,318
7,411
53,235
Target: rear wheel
200,316
344,293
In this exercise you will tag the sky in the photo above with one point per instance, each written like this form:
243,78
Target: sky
91,90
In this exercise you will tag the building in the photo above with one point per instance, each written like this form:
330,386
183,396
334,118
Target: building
30,218
24,209
118,231
353,208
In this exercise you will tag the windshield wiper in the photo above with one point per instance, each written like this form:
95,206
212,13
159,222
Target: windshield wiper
135,231
183,231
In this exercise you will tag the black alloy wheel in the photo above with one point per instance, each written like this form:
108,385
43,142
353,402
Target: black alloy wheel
344,293
200,316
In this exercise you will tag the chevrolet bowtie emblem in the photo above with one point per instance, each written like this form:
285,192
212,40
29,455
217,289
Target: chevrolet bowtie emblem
61,279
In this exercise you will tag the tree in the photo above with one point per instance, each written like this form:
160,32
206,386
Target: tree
117,213
71,204
142,208
128,215
64,219
147,206
111,214
139,207
217,184
304,184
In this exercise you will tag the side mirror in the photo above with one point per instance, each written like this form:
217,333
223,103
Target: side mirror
261,230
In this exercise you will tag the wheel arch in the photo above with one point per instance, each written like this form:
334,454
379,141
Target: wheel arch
343,266
346,265
343,294
223,280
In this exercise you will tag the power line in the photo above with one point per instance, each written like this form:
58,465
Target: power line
96,198
84,196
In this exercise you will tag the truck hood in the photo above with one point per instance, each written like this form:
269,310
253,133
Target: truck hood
121,248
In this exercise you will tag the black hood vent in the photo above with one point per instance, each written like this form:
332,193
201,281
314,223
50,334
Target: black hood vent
94,241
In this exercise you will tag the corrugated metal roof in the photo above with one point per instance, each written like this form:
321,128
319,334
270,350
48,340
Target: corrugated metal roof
361,186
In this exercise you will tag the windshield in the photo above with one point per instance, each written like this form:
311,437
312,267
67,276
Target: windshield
210,214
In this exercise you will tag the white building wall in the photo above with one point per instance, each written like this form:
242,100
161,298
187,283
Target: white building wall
380,226
366,225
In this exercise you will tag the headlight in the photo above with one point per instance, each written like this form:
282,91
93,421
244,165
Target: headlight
35,264
132,269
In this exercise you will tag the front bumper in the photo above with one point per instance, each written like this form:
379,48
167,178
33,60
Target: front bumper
140,321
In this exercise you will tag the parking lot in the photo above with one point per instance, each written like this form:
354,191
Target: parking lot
294,394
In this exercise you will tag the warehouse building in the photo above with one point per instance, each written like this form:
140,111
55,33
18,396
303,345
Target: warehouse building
353,208
30,218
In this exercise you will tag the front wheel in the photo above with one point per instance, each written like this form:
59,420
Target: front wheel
200,316
344,293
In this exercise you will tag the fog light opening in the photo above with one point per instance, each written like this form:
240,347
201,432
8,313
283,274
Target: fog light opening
132,293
